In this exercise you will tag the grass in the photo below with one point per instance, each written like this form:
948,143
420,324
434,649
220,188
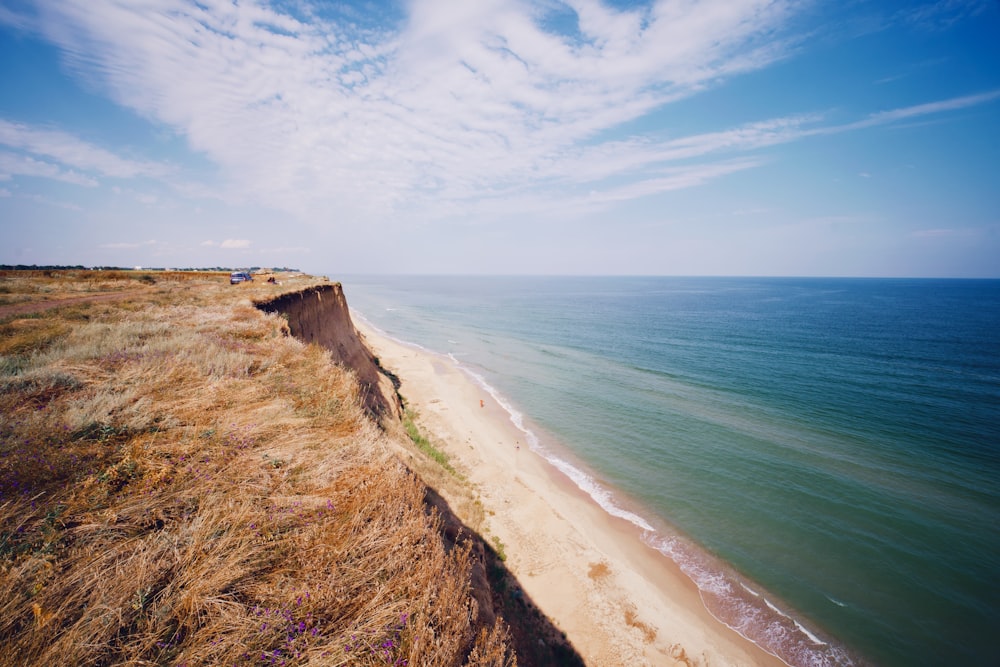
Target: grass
498,545
425,445
183,483
26,335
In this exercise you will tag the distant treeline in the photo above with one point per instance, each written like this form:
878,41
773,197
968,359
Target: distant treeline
80,267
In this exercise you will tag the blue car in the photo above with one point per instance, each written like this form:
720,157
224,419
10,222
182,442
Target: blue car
237,277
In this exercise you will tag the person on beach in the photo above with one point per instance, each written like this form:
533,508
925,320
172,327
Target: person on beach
481,404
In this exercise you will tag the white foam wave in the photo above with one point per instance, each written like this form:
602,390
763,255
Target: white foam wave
815,640
775,632
768,626
583,481
385,334
592,488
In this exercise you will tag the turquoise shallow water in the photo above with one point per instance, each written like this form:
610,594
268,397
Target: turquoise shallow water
822,456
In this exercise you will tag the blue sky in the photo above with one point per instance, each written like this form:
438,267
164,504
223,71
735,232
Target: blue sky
715,137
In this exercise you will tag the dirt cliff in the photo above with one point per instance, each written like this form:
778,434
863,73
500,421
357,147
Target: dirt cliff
320,315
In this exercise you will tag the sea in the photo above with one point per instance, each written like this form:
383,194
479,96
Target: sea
820,456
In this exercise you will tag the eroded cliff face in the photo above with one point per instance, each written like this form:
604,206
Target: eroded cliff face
320,315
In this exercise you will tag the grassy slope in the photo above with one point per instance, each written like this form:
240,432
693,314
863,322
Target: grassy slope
181,483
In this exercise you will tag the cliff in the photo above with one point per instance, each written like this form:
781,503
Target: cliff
320,315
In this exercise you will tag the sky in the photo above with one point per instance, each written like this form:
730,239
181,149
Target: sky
674,137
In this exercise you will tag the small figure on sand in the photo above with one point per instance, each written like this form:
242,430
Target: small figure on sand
481,404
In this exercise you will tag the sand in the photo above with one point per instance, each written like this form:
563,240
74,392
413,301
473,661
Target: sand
618,601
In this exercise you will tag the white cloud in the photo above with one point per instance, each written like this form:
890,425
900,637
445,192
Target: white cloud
943,233
12,164
942,14
907,113
461,100
129,245
939,106
459,110
14,19
232,244
70,151
209,243
674,179
69,206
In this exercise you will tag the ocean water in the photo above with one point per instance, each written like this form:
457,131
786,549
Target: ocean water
821,456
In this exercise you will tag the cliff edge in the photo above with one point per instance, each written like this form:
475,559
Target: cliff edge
320,315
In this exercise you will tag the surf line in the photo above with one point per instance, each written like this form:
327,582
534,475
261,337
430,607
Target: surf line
652,538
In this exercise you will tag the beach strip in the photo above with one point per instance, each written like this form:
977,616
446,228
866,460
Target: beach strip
619,601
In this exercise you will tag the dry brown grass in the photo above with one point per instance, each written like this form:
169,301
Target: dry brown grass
182,483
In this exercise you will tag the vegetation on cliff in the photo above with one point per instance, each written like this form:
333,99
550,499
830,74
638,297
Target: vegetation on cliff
181,482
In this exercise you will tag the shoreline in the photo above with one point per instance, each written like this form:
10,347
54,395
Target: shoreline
618,599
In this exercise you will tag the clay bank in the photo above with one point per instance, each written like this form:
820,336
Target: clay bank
319,314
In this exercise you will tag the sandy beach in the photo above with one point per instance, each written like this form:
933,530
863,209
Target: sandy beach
618,601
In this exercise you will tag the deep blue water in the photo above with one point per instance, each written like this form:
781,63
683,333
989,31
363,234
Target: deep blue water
822,456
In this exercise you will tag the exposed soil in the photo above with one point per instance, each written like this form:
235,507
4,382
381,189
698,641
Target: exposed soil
320,315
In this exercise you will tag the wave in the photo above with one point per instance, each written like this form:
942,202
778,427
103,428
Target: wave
585,482
722,591
748,611
382,332
751,614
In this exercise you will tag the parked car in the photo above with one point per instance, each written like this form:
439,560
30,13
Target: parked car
239,277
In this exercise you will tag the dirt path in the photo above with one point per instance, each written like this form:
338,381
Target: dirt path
39,306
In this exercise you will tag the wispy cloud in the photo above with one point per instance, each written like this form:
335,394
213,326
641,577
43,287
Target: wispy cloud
929,108
70,151
784,130
942,14
943,233
455,110
673,179
456,100
126,245
15,19
48,201
228,244
13,164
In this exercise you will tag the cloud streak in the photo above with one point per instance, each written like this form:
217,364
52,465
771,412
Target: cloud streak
452,103
72,152
128,245
13,164
456,110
